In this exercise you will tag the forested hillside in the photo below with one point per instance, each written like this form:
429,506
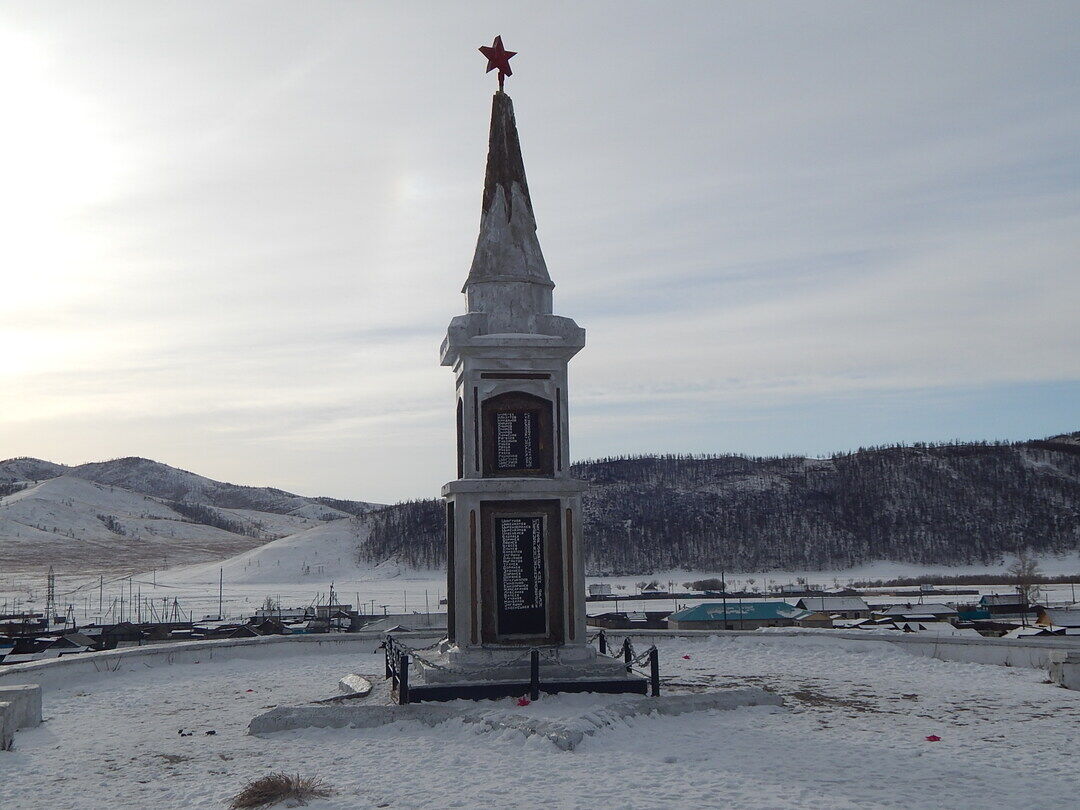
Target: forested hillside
952,503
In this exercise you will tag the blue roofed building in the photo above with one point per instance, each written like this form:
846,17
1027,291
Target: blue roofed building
736,615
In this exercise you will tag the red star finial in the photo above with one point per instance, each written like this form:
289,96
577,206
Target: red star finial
498,57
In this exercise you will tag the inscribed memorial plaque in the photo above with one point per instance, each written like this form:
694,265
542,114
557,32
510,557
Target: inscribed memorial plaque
517,440
518,436
519,563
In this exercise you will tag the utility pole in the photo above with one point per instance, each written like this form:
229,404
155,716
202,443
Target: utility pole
723,590
329,607
220,587
50,597
100,592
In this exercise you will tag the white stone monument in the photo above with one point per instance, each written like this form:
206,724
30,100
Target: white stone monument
515,564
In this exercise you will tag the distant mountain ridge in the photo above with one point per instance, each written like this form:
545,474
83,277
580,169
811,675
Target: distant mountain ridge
134,513
159,480
931,504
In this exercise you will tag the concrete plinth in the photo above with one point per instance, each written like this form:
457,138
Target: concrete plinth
1065,668
564,733
20,707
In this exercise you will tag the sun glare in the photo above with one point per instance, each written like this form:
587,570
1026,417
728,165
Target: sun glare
55,161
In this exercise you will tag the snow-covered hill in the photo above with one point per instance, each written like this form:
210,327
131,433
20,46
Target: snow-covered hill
170,483
70,522
317,555
134,514
22,470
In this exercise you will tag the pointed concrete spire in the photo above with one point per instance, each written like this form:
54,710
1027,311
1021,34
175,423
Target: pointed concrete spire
507,249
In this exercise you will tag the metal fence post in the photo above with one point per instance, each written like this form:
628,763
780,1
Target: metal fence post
403,679
654,671
534,675
603,642
626,654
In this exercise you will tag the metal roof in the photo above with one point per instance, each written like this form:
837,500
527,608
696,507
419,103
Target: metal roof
1002,599
929,609
739,611
1061,617
832,603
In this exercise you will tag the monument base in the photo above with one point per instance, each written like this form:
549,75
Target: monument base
565,733
451,672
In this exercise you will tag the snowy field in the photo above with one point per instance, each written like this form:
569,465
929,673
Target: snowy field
851,736
415,592
299,570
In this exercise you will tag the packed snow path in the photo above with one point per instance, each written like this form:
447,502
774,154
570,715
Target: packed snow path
853,735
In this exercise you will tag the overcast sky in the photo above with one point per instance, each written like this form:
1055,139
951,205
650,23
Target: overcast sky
232,234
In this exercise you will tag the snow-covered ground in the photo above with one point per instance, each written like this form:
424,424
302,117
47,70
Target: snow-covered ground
851,736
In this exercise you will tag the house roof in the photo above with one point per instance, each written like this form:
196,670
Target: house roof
1002,599
851,622
937,628
739,611
78,639
1060,617
832,603
929,609
1022,632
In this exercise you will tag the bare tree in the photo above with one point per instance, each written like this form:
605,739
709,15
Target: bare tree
1025,574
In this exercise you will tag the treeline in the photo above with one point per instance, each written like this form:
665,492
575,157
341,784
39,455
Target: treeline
354,508
958,503
208,516
414,532
967,579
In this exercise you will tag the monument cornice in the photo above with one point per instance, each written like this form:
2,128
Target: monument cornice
516,488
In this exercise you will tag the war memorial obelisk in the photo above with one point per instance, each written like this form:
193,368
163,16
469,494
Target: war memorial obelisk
515,573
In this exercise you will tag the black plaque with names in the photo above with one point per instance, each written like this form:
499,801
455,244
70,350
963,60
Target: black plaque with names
517,440
518,436
519,563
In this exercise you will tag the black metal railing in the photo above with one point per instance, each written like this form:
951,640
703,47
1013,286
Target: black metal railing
397,668
630,659
399,656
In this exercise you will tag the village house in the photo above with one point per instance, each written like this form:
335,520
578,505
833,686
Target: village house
735,615
920,612
817,619
1037,630
843,607
936,628
631,620
794,589
1005,604
1060,618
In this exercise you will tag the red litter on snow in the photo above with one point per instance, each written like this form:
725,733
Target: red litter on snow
523,701
687,657
933,738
